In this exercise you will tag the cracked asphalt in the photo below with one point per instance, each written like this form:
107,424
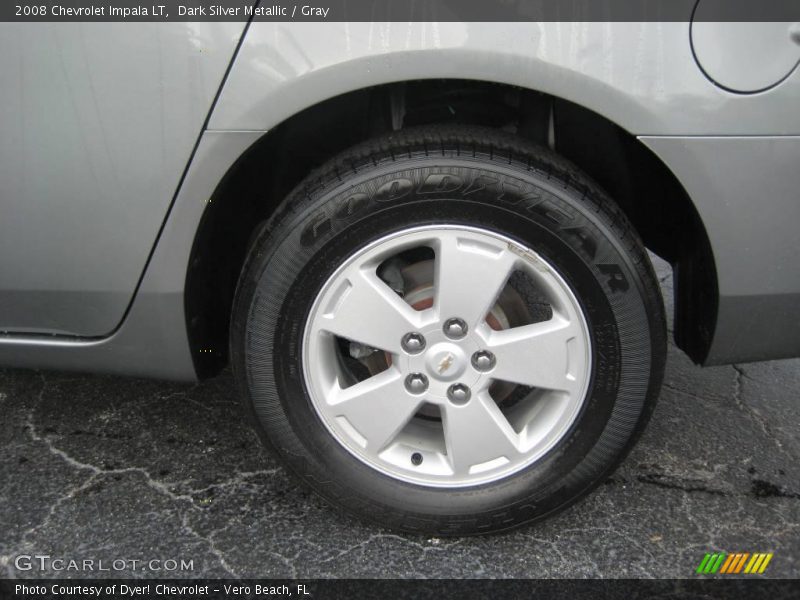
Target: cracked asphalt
108,468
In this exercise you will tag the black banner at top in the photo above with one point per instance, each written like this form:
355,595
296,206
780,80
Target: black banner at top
399,10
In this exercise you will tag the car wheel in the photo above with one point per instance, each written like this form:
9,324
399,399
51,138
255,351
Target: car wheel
450,331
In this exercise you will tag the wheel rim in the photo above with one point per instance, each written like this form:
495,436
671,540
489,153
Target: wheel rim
447,390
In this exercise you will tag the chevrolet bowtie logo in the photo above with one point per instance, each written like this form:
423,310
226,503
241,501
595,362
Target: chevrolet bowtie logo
445,363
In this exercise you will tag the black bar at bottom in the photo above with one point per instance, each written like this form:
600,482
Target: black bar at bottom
355,589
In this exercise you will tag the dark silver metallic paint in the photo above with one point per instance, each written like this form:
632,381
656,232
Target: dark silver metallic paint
82,196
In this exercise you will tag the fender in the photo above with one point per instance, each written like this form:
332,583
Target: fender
641,76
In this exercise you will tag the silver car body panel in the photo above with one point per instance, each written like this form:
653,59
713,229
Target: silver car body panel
99,121
642,76
747,191
152,340
746,57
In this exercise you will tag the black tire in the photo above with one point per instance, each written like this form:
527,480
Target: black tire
525,192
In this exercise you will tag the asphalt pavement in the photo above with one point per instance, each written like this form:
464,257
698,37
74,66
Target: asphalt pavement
114,469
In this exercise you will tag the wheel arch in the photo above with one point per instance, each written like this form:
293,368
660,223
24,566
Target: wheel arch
644,186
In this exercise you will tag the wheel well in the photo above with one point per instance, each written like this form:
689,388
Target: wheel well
644,187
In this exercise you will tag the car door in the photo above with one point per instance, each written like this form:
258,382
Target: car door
98,122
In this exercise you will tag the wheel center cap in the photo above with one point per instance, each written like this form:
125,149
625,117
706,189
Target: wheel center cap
445,361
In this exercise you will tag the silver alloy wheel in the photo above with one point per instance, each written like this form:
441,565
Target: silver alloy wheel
380,419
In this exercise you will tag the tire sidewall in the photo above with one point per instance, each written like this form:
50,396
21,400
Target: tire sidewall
298,254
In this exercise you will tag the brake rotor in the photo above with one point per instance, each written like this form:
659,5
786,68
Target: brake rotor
415,282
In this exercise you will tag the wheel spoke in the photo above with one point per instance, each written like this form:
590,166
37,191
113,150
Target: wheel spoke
377,408
446,354
477,433
537,355
470,277
364,309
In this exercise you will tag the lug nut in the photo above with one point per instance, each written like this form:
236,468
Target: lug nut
413,343
455,329
483,361
416,383
458,393
416,459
